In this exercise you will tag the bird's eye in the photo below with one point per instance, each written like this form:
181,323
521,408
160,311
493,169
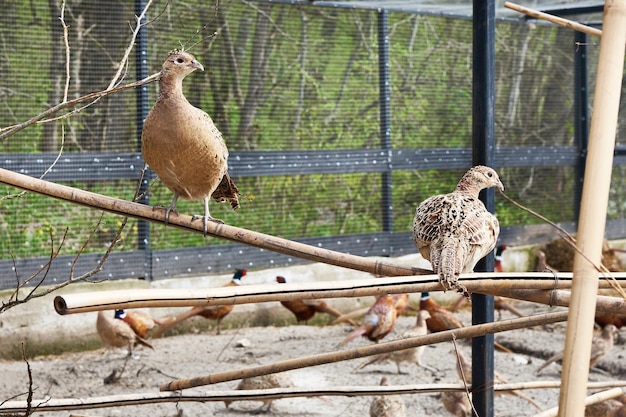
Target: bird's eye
179,60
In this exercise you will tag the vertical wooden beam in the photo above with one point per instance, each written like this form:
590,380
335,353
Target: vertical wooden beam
593,210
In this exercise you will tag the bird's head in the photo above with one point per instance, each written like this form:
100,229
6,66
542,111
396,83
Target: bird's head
239,273
181,63
478,178
120,314
281,280
423,315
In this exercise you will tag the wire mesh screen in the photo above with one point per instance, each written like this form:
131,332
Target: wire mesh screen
295,83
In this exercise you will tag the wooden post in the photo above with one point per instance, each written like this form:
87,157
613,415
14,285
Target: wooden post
593,210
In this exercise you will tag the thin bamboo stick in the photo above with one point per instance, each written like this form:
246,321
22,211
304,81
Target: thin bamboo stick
344,355
246,294
594,203
554,19
232,233
598,397
123,400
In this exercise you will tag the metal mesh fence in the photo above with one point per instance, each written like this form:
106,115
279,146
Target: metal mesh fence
298,80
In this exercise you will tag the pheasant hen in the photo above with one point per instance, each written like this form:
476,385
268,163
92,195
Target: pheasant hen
454,231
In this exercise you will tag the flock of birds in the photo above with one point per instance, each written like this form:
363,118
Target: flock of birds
453,231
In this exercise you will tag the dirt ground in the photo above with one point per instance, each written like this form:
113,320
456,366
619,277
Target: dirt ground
80,375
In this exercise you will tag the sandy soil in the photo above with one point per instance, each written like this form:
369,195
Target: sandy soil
83,374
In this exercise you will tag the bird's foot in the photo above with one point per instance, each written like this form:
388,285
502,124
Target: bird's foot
205,221
456,286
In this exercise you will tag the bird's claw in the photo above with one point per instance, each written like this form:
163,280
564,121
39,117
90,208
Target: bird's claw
205,221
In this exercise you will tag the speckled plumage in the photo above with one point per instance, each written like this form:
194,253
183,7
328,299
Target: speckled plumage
412,355
457,403
454,231
181,143
117,333
387,405
601,344
377,322
277,380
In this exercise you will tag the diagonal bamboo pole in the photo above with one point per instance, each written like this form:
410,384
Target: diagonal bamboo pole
540,288
598,397
344,355
593,210
232,233
554,19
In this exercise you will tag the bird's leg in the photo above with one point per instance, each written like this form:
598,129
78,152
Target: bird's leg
206,217
170,208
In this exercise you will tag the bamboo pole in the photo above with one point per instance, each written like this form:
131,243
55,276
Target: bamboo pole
593,210
598,397
181,221
487,283
124,400
349,354
554,19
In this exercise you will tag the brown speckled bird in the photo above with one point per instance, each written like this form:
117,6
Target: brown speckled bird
464,369
614,407
306,309
182,145
412,355
116,333
601,344
278,380
140,322
454,231
212,312
457,403
387,405
377,322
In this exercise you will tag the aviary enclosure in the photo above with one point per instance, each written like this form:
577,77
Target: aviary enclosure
340,118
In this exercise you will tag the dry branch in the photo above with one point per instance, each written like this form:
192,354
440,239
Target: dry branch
122,400
357,353
598,397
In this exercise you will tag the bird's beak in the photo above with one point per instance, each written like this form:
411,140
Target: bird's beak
500,186
197,65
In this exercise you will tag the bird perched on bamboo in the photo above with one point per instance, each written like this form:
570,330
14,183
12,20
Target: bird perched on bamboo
116,333
140,322
306,309
601,344
377,322
454,231
457,403
411,355
183,146
269,381
464,369
212,312
387,405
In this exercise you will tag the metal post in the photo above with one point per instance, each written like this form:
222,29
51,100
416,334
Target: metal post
141,58
385,117
483,153
581,113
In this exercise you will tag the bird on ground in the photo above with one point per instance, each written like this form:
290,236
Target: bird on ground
212,312
560,254
140,322
377,322
464,369
542,263
601,344
116,333
401,302
411,355
306,309
182,145
457,403
387,405
614,407
440,319
269,381
454,231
